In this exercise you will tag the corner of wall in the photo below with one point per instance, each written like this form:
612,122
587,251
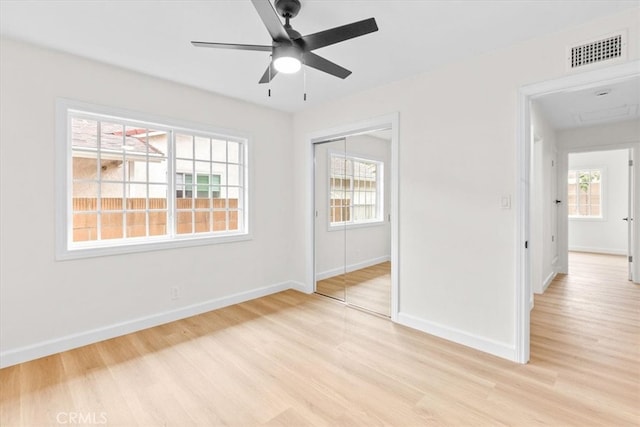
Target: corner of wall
500,349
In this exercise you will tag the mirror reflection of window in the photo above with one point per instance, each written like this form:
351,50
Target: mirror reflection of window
355,190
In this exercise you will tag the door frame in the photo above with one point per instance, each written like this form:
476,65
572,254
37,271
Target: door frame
584,80
389,121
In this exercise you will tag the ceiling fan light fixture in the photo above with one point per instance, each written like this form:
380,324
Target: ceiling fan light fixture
286,59
287,64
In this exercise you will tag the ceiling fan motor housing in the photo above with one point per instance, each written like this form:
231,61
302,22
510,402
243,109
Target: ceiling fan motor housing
287,50
287,8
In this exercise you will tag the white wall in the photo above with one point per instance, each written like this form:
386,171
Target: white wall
357,247
47,305
457,246
600,136
543,193
609,234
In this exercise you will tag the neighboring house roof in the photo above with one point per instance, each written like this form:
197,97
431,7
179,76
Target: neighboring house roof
85,135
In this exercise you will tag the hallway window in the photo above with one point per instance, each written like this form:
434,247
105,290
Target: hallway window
585,193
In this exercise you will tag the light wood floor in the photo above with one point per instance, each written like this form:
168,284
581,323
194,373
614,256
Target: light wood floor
295,359
369,288
586,327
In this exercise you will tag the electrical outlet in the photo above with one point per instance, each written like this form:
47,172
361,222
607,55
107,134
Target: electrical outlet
175,292
505,202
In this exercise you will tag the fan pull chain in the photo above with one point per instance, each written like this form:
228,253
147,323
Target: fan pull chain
270,62
304,79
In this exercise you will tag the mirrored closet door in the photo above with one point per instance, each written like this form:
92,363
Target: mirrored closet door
330,237
352,228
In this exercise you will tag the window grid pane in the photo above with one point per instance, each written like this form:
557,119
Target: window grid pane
120,184
353,190
212,190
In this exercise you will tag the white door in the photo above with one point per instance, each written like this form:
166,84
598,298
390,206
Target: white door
555,209
629,218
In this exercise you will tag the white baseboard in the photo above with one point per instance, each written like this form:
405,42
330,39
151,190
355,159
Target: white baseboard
57,345
548,280
607,251
352,267
486,345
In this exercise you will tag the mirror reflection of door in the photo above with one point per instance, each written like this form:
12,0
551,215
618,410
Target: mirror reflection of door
352,176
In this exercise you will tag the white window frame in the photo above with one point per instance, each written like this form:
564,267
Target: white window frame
379,219
600,217
67,249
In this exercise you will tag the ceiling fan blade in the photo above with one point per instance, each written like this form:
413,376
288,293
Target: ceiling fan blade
319,63
260,48
271,20
268,75
338,34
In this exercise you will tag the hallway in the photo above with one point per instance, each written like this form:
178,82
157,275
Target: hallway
589,321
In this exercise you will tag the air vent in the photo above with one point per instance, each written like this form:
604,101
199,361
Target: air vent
605,49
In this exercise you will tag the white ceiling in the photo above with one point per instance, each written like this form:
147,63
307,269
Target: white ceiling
593,106
153,37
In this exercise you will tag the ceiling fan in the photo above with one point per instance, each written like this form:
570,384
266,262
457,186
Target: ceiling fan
289,49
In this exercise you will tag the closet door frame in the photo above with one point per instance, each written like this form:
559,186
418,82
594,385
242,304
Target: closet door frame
389,121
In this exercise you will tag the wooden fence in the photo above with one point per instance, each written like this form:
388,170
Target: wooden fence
209,215
583,203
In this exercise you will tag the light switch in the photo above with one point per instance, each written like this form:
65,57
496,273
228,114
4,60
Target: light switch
505,202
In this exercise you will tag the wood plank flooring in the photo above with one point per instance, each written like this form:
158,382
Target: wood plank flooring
587,327
292,359
368,288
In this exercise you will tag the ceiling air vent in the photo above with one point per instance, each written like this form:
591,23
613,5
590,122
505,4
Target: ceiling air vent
605,49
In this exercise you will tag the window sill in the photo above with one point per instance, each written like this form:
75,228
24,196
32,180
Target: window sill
587,218
342,227
110,248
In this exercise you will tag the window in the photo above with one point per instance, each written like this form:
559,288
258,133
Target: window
585,193
355,190
122,175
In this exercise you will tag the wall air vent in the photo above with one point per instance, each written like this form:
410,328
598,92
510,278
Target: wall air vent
605,49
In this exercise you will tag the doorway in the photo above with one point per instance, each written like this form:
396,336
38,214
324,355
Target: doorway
585,82
335,141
